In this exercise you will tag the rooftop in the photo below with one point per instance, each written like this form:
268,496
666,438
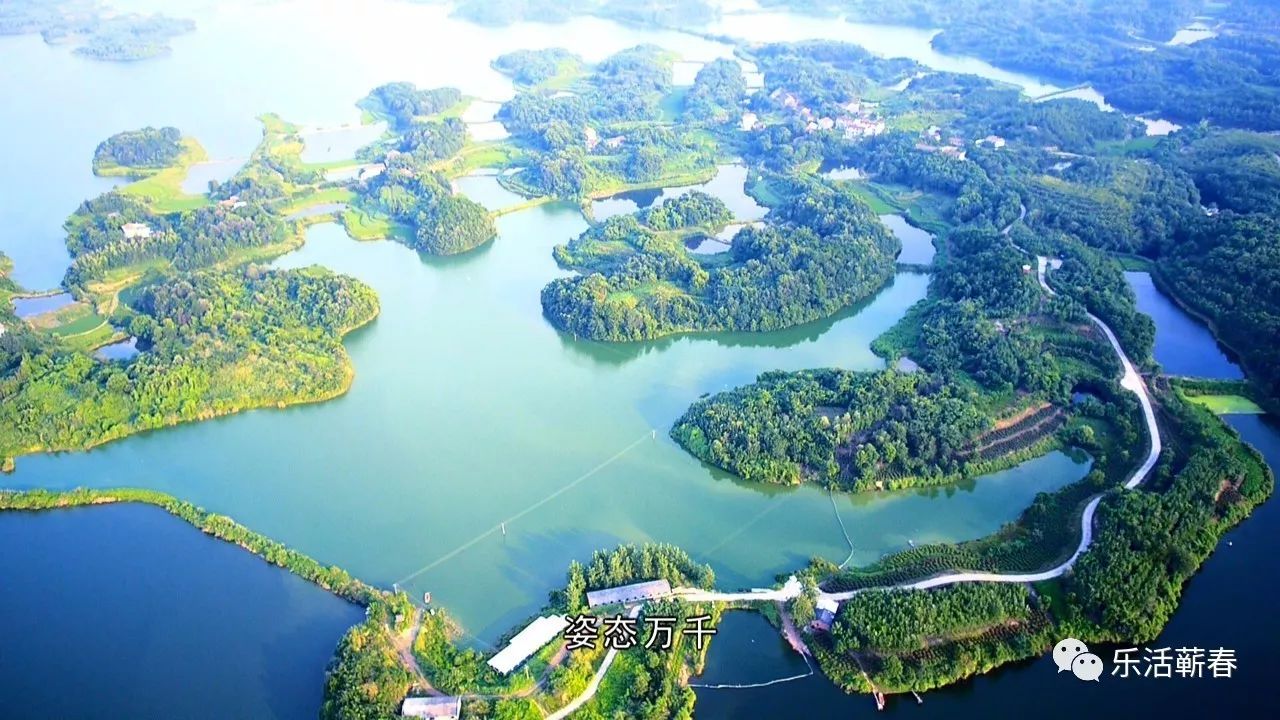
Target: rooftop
527,642
432,707
629,593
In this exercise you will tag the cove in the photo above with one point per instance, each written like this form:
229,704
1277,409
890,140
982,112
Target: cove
917,245
728,185
469,409
125,611
749,649
1184,346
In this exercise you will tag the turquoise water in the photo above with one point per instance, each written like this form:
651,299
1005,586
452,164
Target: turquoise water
1241,577
468,409
917,245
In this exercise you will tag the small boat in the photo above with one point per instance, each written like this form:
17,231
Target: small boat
426,598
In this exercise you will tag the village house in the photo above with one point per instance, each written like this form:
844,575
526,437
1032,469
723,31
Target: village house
825,614
994,141
438,708
615,142
749,121
134,231
592,137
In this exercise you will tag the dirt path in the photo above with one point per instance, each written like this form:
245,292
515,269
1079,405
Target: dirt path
403,642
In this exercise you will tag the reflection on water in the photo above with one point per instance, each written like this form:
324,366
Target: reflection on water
1183,345
324,145
123,350
112,611
728,184
917,245
25,307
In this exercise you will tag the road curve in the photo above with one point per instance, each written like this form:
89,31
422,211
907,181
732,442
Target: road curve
1131,381
594,685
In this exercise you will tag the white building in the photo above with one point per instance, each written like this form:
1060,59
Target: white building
136,230
440,708
527,642
636,592
749,120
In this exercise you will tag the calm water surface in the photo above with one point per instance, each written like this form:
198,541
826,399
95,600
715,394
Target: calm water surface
917,244
25,307
468,409
125,611
1183,345
728,184
1242,574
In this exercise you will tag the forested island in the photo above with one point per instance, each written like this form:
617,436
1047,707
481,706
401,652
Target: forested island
822,250
1122,49
97,32
138,152
1036,209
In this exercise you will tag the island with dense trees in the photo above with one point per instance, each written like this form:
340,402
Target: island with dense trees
1036,209
138,152
100,33
821,251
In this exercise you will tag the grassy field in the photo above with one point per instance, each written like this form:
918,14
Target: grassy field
363,226
881,202
1227,404
304,200
163,189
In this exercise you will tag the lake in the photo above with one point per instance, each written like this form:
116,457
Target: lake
917,244
728,184
447,431
325,145
1183,345
125,349
1242,574
25,307
442,437
126,611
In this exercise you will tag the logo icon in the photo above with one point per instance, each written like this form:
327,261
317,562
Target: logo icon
1073,655
1087,666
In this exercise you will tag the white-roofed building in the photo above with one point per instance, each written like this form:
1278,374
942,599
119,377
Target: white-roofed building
136,230
636,592
527,642
441,708
825,613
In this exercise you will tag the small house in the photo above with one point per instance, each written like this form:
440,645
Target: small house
825,613
136,231
440,708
